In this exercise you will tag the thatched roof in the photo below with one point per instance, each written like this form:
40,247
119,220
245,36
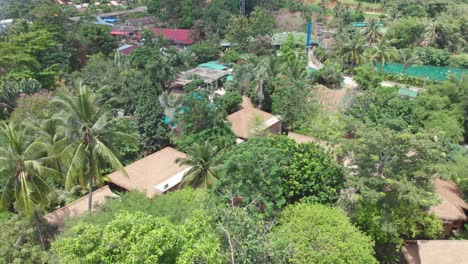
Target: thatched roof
78,207
153,174
453,206
436,252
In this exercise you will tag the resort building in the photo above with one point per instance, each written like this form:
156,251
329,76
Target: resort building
249,121
153,175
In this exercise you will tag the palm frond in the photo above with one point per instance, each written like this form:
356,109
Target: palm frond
101,150
77,165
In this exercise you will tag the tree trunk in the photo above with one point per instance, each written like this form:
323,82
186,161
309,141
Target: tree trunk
90,194
90,180
405,67
39,229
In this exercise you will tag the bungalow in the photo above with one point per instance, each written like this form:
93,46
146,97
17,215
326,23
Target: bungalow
152,175
78,207
436,252
452,210
249,120
176,36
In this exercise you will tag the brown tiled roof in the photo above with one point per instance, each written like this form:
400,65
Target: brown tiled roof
436,252
78,207
243,121
301,138
147,174
453,205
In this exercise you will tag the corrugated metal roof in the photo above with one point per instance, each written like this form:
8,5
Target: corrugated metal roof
407,92
214,65
182,36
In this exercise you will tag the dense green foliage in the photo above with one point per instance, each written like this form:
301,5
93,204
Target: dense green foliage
327,230
74,109
140,238
295,172
20,243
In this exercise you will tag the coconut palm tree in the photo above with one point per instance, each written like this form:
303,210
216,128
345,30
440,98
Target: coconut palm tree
383,52
408,58
430,33
201,158
88,153
21,164
351,49
372,31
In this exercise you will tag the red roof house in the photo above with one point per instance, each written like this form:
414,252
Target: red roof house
178,36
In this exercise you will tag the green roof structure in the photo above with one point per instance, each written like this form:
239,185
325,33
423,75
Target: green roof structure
213,65
407,92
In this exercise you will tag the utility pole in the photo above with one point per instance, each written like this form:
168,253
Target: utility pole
242,7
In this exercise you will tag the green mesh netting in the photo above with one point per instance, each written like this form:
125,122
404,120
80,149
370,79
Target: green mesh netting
431,72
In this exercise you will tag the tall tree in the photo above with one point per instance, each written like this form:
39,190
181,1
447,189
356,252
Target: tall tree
408,58
88,152
238,32
351,49
383,52
372,31
392,177
24,174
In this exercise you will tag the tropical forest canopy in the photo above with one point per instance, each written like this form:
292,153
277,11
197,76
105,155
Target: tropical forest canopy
74,108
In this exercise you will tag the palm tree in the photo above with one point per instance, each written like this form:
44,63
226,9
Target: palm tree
408,58
21,163
430,33
372,32
383,52
88,151
258,70
351,49
201,158
52,133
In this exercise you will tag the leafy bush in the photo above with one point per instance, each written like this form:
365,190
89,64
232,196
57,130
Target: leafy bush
367,76
459,61
326,230
229,102
141,238
273,171
20,243
186,201
330,75
205,51
313,176
433,56
32,108
409,80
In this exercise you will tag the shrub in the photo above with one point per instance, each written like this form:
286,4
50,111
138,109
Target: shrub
205,51
459,61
